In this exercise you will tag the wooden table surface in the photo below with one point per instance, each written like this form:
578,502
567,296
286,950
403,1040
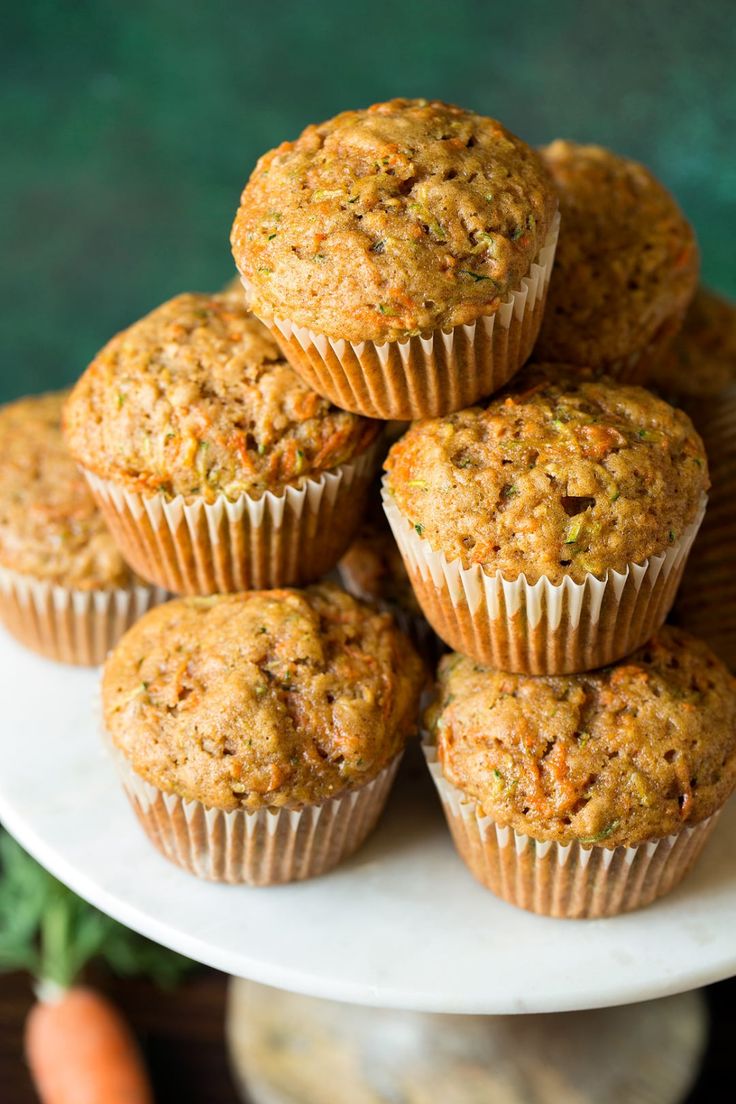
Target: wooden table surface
182,1034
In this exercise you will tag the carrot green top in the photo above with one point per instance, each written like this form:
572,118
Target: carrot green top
196,400
559,475
626,754
626,265
402,218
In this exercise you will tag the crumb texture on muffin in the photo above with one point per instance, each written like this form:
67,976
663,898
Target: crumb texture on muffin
402,218
702,360
266,698
50,528
560,475
195,399
618,756
627,262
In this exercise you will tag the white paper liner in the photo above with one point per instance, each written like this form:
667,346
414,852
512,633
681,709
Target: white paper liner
70,626
540,628
289,539
266,847
428,375
706,603
570,881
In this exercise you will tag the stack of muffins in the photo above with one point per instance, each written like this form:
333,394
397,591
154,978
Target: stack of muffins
401,264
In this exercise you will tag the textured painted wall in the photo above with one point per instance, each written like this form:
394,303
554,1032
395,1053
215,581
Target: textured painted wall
130,128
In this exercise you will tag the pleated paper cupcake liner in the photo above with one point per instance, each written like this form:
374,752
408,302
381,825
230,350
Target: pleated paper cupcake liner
428,375
70,626
540,628
226,546
262,848
573,881
706,603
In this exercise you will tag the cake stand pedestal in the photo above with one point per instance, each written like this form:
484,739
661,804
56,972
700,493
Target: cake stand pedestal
291,1049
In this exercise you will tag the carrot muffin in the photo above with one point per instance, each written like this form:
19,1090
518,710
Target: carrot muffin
626,267
65,590
234,287
391,228
238,706
217,468
706,601
643,752
521,522
701,363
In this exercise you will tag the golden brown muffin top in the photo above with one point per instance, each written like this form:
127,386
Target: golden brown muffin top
373,569
403,218
195,399
702,359
626,261
559,475
50,528
268,698
626,754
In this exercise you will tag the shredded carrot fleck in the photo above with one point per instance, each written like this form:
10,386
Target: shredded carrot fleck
599,440
400,296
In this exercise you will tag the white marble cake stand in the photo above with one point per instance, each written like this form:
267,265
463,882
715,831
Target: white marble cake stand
402,925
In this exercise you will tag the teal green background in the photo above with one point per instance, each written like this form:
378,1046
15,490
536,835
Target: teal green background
129,128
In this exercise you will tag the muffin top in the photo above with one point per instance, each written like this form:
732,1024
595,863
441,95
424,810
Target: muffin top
626,265
267,698
622,755
373,569
196,400
702,359
403,218
559,475
50,528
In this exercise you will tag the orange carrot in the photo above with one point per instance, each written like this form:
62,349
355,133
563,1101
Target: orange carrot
80,1051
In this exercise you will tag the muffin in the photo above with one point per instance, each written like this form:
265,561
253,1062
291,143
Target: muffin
258,734
233,287
701,364
216,467
591,794
372,569
706,601
626,267
546,532
400,254
65,590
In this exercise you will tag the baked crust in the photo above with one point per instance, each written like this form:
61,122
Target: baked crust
195,399
702,360
407,217
560,475
626,265
618,756
50,528
266,698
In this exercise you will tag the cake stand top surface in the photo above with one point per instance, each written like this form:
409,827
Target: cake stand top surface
400,925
